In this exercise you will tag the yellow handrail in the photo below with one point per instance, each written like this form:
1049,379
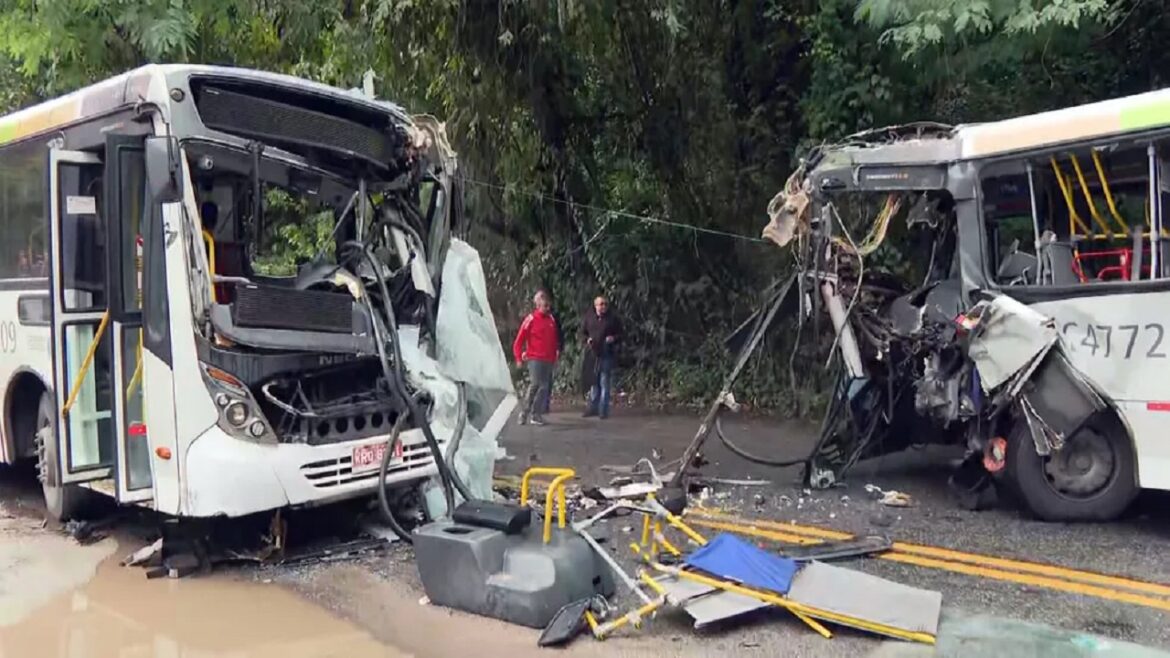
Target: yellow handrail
85,364
209,240
1073,217
1089,197
1108,193
556,491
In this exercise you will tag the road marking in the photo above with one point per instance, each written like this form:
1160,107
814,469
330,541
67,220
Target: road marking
1062,579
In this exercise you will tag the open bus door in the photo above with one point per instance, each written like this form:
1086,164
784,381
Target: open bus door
96,328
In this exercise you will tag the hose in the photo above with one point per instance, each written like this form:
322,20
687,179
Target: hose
446,475
393,380
754,458
383,502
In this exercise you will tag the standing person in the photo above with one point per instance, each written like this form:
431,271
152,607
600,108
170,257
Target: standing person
538,346
602,332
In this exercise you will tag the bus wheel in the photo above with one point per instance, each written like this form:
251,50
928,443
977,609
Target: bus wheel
62,501
1092,478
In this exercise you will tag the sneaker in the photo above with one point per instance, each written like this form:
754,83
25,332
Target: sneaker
523,419
537,420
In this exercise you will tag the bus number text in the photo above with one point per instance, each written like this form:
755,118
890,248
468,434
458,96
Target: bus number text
7,337
1123,341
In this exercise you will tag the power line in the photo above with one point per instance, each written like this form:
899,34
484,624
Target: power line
618,213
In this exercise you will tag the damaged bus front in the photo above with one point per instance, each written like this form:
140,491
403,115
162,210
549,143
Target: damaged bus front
999,287
283,311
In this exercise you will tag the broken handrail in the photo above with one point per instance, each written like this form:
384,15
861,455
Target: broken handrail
556,489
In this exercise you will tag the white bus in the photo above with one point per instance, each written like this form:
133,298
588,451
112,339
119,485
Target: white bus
1063,211
163,346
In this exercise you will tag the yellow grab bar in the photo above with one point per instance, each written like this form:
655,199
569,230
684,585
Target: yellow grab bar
1089,197
209,240
556,491
1108,193
85,364
1068,200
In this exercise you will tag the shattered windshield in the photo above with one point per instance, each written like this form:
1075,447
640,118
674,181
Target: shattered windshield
265,227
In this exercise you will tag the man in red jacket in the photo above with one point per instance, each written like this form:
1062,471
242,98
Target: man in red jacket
537,345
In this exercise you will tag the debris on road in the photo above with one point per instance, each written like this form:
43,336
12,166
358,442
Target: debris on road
147,554
837,550
889,498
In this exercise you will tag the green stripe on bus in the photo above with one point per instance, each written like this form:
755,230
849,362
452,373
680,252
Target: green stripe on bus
1147,115
7,131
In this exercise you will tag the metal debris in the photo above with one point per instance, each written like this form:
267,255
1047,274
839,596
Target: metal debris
890,498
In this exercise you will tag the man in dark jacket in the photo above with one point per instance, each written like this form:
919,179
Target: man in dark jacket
602,332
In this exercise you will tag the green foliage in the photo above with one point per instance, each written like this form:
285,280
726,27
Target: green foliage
688,111
914,25
296,231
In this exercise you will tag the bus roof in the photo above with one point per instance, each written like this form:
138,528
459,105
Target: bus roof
1112,117
134,86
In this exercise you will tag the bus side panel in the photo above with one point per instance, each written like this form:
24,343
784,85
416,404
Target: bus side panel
1122,343
194,411
24,347
1149,430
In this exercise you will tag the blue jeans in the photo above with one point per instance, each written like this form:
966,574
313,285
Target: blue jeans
599,394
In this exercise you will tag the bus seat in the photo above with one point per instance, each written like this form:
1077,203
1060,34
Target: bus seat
1059,269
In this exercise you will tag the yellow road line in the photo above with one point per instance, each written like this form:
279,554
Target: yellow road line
950,555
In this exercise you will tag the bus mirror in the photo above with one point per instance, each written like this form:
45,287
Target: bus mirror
164,175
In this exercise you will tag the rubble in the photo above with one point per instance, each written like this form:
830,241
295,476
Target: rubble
889,498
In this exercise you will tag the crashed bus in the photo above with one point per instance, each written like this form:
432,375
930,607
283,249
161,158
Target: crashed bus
1021,313
159,350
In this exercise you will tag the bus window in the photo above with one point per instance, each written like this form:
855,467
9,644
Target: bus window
83,237
1082,216
1009,225
23,223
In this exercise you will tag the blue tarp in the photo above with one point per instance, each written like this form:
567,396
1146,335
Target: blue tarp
731,558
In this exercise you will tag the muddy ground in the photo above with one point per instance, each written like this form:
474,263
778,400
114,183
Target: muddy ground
61,599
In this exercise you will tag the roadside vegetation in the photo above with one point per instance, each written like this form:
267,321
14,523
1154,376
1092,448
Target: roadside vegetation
593,133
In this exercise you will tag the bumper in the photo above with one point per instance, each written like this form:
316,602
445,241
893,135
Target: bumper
226,476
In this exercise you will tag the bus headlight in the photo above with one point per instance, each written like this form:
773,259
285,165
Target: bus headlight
256,429
236,413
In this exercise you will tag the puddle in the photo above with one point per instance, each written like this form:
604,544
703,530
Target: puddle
120,614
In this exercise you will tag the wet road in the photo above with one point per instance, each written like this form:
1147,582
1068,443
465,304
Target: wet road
1134,547
58,599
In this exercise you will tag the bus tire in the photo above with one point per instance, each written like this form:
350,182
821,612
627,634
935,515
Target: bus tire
1092,477
62,501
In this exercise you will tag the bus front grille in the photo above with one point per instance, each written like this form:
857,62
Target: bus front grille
329,473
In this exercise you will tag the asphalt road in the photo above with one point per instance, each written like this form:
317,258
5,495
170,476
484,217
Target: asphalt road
1133,547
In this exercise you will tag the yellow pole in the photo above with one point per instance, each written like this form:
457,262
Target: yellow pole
539,470
1066,190
1089,197
558,482
1108,193
85,364
209,240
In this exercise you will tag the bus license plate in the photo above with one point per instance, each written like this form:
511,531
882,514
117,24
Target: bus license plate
369,457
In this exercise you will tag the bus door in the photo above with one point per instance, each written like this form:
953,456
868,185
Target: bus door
97,210
128,212
82,354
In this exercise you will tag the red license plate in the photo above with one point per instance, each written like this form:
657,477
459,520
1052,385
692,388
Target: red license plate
369,457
